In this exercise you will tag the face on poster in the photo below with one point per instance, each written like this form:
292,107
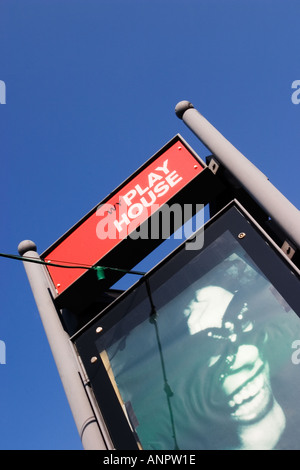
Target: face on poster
207,364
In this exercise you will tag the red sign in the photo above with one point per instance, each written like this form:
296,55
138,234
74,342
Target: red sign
119,215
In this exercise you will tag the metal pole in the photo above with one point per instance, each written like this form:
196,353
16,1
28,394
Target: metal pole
63,354
251,178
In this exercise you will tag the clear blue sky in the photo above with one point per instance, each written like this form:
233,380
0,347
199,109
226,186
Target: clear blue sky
91,87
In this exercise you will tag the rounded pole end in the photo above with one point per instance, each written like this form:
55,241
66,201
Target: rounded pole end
26,245
181,107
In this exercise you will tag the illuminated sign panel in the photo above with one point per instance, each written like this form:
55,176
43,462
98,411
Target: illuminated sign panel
118,216
204,351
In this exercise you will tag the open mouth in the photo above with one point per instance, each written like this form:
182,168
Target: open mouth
251,401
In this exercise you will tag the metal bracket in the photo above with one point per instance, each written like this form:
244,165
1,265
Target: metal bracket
288,249
213,166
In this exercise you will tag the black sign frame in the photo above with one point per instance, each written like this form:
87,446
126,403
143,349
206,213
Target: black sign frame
278,268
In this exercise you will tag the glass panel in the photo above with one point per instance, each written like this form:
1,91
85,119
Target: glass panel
208,359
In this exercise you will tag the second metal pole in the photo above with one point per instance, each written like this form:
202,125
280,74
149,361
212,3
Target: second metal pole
277,206
90,434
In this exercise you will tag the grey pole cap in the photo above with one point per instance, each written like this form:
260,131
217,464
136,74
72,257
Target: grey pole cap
181,107
26,245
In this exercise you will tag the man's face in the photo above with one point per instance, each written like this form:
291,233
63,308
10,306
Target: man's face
246,385
237,378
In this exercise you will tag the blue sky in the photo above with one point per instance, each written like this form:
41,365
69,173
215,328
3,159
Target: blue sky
91,87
